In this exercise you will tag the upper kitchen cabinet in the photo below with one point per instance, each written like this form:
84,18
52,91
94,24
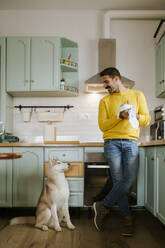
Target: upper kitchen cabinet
32,64
35,66
160,68
6,103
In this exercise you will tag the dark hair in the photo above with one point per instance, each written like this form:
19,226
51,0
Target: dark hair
110,71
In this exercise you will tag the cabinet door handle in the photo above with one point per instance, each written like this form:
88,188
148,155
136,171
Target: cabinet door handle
152,158
32,81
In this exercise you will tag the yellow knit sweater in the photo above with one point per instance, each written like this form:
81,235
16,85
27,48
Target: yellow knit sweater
114,128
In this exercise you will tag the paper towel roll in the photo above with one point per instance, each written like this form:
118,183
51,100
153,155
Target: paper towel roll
50,132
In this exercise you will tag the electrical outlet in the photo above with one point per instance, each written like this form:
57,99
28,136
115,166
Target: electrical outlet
84,116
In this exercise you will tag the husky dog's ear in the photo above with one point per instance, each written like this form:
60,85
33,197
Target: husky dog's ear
50,160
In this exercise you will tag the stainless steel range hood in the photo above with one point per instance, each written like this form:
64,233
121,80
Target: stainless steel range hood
107,58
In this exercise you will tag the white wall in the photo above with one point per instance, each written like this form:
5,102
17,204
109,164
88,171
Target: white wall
136,54
135,57
135,60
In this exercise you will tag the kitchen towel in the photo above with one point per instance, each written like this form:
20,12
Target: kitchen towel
132,114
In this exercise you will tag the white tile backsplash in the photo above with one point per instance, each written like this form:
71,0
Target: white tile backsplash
82,120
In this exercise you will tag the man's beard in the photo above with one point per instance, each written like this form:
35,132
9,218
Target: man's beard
110,89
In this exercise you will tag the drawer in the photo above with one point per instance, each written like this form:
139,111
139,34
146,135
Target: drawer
94,149
76,184
76,170
70,154
76,200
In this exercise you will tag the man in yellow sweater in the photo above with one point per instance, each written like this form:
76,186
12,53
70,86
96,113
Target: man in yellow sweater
121,112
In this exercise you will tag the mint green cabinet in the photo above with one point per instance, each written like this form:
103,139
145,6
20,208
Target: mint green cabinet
150,180
5,180
6,103
36,65
154,181
2,76
18,64
76,188
21,180
32,64
68,154
160,176
141,177
76,184
160,68
27,176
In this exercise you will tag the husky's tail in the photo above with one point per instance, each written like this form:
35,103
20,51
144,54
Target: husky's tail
22,220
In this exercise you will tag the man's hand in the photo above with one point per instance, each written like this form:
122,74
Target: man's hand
124,114
137,116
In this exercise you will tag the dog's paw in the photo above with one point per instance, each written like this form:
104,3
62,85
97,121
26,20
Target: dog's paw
58,229
63,224
44,228
71,226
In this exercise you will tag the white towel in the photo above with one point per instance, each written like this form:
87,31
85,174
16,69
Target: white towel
132,114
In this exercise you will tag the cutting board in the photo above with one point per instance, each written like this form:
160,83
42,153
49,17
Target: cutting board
61,142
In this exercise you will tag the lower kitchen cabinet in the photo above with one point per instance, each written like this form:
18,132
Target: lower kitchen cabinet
75,175
160,176
141,177
65,154
5,179
154,181
76,188
27,176
150,180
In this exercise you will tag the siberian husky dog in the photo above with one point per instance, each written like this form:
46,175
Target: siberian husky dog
52,207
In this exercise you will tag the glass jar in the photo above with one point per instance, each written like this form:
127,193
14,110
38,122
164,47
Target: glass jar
62,84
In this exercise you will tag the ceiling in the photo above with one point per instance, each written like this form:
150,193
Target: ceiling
85,4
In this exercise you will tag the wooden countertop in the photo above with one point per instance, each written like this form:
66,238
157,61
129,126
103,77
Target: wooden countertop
83,144
58,143
153,143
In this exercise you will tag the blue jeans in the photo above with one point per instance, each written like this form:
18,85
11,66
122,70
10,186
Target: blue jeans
122,157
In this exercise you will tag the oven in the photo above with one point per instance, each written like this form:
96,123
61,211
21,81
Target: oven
96,174
98,181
